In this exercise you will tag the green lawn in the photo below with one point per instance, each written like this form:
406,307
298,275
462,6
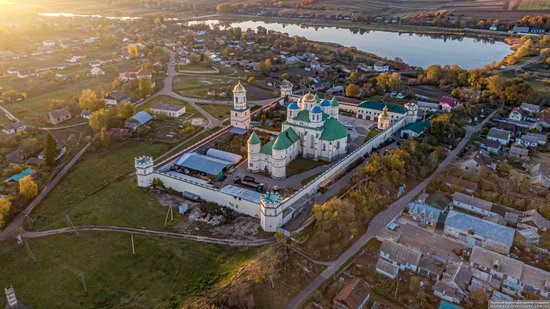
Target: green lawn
372,133
217,110
3,119
98,190
196,67
163,273
301,164
534,5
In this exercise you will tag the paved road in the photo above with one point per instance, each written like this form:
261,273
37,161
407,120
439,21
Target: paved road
130,230
9,114
381,220
521,65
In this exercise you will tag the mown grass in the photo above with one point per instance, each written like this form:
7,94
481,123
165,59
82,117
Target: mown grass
162,274
99,190
301,164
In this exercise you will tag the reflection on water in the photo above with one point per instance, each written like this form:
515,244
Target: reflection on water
414,48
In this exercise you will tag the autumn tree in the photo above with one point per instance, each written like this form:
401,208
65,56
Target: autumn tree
353,91
28,189
265,66
88,100
104,137
133,50
5,206
124,110
145,88
99,119
434,73
50,151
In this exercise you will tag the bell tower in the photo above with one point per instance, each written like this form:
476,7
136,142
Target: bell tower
240,114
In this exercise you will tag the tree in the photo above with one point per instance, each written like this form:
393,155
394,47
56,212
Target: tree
250,80
133,50
104,137
434,73
414,284
5,206
50,151
100,119
145,88
265,66
28,188
284,76
124,110
353,91
88,100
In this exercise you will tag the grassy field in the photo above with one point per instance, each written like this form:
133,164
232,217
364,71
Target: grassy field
198,86
162,274
3,119
301,164
535,5
371,135
199,67
217,110
99,191
307,180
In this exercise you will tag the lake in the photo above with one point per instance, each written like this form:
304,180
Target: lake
415,49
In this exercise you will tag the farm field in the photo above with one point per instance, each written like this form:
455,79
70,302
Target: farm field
162,274
534,5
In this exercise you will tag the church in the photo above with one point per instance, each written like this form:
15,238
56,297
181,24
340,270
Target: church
311,130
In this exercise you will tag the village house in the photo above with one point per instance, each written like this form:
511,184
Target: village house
533,219
475,161
514,276
96,72
453,285
447,104
459,183
59,115
85,114
138,120
491,146
423,214
531,237
354,295
395,257
14,128
381,67
499,135
144,73
430,267
474,231
532,139
169,110
472,204
540,175
519,152
428,106
530,108
115,98
516,114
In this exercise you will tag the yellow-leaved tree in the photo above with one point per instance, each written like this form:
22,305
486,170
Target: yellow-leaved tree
28,189
5,206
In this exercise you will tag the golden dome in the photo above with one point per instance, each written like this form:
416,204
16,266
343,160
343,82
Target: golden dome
239,88
309,97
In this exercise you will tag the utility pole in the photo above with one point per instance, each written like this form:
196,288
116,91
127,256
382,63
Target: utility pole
133,247
29,252
70,224
83,281
169,213
396,289
29,220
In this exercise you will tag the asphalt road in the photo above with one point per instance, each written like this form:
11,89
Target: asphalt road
381,220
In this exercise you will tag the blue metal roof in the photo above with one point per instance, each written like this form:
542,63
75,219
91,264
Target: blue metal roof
429,211
243,193
293,105
489,230
238,131
202,163
325,102
19,176
142,117
316,110
446,305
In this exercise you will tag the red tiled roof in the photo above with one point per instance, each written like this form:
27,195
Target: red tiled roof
452,102
143,72
353,293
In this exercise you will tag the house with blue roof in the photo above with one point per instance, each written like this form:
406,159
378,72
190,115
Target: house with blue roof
15,178
424,214
138,120
474,231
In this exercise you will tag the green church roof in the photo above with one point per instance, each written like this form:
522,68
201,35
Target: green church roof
317,98
282,142
254,139
292,135
267,148
333,130
392,108
334,101
418,127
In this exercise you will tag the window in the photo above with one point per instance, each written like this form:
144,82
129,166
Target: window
324,147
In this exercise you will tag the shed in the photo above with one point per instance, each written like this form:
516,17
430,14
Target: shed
20,175
224,155
212,167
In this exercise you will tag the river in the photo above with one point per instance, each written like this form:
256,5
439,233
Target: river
415,49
